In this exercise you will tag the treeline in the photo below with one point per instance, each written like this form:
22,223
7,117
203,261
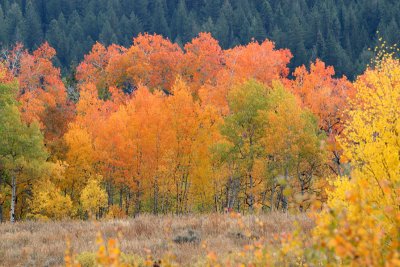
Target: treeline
338,32
156,128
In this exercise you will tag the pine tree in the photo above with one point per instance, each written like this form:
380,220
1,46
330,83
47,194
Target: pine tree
159,23
182,23
241,25
135,26
3,33
257,30
107,35
296,43
34,36
16,27
222,31
141,10
266,14
90,25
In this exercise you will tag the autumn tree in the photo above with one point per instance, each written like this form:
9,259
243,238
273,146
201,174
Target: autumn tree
80,159
171,129
93,198
151,138
202,61
294,148
327,97
49,202
360,224
42,93
151,61
258,61
243,130
22,152
117,155
86,156
269,141
93,69
182,112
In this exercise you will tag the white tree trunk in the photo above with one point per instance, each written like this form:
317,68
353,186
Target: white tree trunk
13,198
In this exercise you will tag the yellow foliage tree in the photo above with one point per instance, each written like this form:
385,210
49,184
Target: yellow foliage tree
49,202
80,159
362,221
93,197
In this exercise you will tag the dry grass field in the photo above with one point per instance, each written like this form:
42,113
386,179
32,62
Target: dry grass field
44,243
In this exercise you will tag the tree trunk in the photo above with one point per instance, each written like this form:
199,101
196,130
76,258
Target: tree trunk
177,196
186,186
235,193
137,199
284,199
13,198
251,196
263,200
272,197
232,192
110,193
128,200
120,198
155,204
228,188
1,204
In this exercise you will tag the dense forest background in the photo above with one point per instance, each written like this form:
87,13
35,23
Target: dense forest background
337,31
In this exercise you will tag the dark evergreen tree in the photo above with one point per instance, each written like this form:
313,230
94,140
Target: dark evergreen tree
34,34
15,24
141,10
107,35
257,30
3,33
135,26
296,43
159,23
222,31
241,25
90,25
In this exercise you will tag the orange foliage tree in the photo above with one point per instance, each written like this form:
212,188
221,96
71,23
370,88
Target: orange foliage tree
42,93
93,69
152,61
203,60
259,61
327,97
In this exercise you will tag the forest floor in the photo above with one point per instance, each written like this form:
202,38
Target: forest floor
45,243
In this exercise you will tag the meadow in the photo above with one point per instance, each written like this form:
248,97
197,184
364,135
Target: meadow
44,243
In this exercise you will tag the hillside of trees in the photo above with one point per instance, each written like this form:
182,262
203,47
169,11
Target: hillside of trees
338,32
154,128
206,118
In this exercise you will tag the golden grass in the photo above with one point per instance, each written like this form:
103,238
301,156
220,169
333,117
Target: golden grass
44,243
